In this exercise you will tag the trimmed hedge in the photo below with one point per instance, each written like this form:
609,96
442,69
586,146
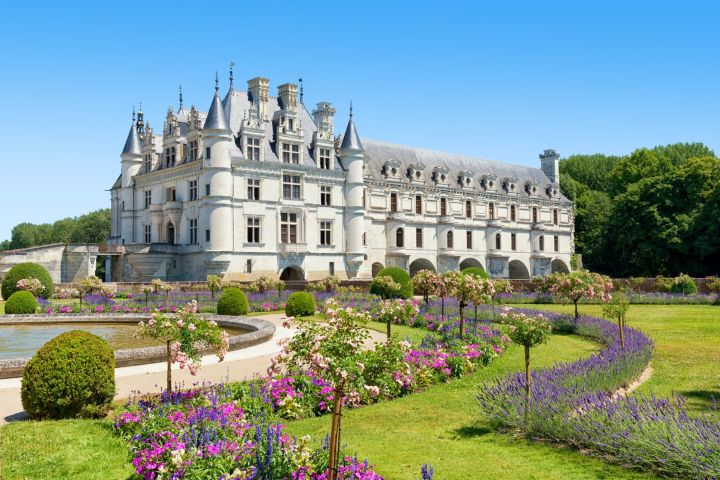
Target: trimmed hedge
684,284
71,376
233,302
26,270
397,274
300,304
476,271
21,302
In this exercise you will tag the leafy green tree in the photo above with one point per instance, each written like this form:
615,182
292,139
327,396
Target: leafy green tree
590,170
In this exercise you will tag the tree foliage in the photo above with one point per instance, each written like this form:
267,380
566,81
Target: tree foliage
93,227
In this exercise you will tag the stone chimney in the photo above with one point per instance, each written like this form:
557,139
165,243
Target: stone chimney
258,89
323,116
550,165
287,92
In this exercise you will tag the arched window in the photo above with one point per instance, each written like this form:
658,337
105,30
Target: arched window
541,243
498,241
491,211
512,213
400,237
450,239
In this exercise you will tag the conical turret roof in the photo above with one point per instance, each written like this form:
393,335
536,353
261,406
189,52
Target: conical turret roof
133,145
216,115
351,139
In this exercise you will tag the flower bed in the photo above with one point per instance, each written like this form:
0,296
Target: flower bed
574,403
633,298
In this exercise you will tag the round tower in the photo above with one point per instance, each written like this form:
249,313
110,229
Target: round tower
217,173
131,161
353,159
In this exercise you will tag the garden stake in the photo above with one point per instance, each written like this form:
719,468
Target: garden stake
169,371
335,432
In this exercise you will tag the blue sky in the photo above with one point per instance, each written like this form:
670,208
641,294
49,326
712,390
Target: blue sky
500,80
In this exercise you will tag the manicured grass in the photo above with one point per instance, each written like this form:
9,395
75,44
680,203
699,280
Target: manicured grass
402,332
687,349
77,449
442,426
2,307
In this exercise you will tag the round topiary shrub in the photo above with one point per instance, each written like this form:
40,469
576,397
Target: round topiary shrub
72,375
26,270
397,274
232,302
300,304
684,284
476,271
21,302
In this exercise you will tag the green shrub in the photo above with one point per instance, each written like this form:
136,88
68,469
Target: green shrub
26,270
397,274
684,284
232,302
21,302
300,304
476,271
72,375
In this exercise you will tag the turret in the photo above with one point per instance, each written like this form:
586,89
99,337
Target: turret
217,143
353,159
131,162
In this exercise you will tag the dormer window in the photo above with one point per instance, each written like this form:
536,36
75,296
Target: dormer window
552,190
440,175
531,187
324,158
415,172
252,148
465,179
510,185
489,182
391,169
290,153
291,124
193,150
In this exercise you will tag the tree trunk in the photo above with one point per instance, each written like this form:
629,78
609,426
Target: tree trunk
576,311
621,324
527,380
335,433
442,308
462,320
388,328
169,369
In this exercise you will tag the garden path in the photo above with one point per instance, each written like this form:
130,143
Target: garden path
238,365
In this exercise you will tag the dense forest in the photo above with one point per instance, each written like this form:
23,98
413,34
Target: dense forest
93,227
655,211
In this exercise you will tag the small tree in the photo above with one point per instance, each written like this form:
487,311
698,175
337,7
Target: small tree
184,338
441,289
616,310
88,285
386,287
460,286
481,292
423,282
331,350
580,284
147,290
214,284
399,311
527,331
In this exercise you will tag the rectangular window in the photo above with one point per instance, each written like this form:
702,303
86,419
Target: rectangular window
535,215
248,266
541,243
253,148
207,235
291,186
207,153
193,190
418,204
325,198
468,240
419,237
148,198
556,243
253,189
288,228
393,202
295,154
331,268
147,164
285,147
325,233
147,233
555,216
364,239
491,211
172,156
450,239
207,189
513,241
364,198
512,213
291,124
167,158
170,195
325,158
443,206
253,230
468,209
193,230
193,150
498,241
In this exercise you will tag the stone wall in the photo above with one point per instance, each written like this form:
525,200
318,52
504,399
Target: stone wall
66,263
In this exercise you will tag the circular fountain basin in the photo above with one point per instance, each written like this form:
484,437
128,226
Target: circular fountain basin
22,335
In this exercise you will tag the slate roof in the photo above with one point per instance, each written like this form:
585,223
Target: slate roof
132,144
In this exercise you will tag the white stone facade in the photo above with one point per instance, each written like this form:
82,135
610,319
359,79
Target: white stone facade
260,186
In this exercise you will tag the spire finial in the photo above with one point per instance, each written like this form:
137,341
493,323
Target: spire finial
300,81
140,112
232,77
350,108
133,114
181,99
217,82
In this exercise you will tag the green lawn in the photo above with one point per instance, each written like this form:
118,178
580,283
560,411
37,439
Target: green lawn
687,348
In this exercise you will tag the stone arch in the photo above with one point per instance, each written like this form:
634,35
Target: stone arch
420,264
470,262
518,270
376,267
292,273
558,266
